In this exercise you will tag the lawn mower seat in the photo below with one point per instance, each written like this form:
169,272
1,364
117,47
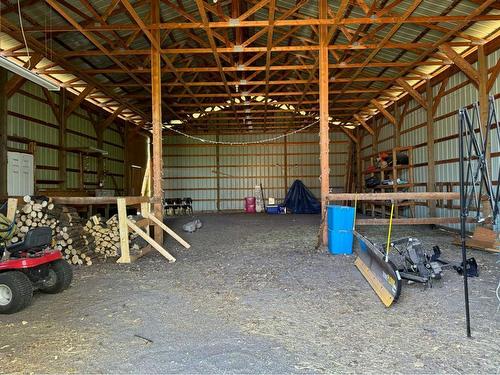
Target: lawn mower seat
35,240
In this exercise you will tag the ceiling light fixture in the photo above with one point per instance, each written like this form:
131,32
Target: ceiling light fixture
28,74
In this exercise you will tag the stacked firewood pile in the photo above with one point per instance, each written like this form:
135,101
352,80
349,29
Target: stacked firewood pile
79,240
71,240
107,235
34,213
66,225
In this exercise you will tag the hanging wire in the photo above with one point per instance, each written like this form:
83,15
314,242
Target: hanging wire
22,32
267,140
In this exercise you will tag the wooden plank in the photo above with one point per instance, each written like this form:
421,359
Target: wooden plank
386,298
431,165
123,228
359,167
78,100
364,124
475,17
3,132
62,157
156,107
146,208
414,93
410,221
393,196
152,242
397,128
169,231
82,201
323,115
217,170
494,75
384,112
463,64
11,208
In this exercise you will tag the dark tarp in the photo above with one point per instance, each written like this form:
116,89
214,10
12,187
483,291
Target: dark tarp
300,200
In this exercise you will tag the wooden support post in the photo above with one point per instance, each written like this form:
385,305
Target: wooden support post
62,139
81,175
126,160
123,228
397,127
431,164
359,168
3,132
285,165
217,169
157,120
324,142
100,158
376,130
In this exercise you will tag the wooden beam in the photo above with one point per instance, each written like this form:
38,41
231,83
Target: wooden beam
463,64
217,169
410,221
359,167
112,117
426,196
100,159
414,93
493,76
78,100
384,111
3,132
349,134
397,127
431,164
439,96
62,120
281,23
157,120
324,143
14,31
364,124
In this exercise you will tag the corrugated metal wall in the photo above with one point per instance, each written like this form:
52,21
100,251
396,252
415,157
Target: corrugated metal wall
190,167
459,92
30,118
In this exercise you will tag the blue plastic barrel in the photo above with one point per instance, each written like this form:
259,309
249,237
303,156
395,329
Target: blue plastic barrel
340,221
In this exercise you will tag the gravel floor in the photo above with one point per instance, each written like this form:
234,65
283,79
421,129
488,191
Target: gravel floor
253,296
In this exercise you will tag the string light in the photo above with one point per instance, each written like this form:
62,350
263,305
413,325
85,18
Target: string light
267,140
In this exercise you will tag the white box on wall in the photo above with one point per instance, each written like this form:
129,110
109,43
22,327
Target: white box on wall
20,174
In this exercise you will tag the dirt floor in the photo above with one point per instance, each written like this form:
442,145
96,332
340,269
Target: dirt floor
253,296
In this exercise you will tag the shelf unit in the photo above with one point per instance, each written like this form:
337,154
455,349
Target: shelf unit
395,171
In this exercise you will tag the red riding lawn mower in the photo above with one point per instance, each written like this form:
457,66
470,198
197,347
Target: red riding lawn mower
28,266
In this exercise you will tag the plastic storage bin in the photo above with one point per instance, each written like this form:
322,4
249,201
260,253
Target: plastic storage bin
340,221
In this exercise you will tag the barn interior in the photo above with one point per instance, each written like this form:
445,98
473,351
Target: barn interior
191,159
